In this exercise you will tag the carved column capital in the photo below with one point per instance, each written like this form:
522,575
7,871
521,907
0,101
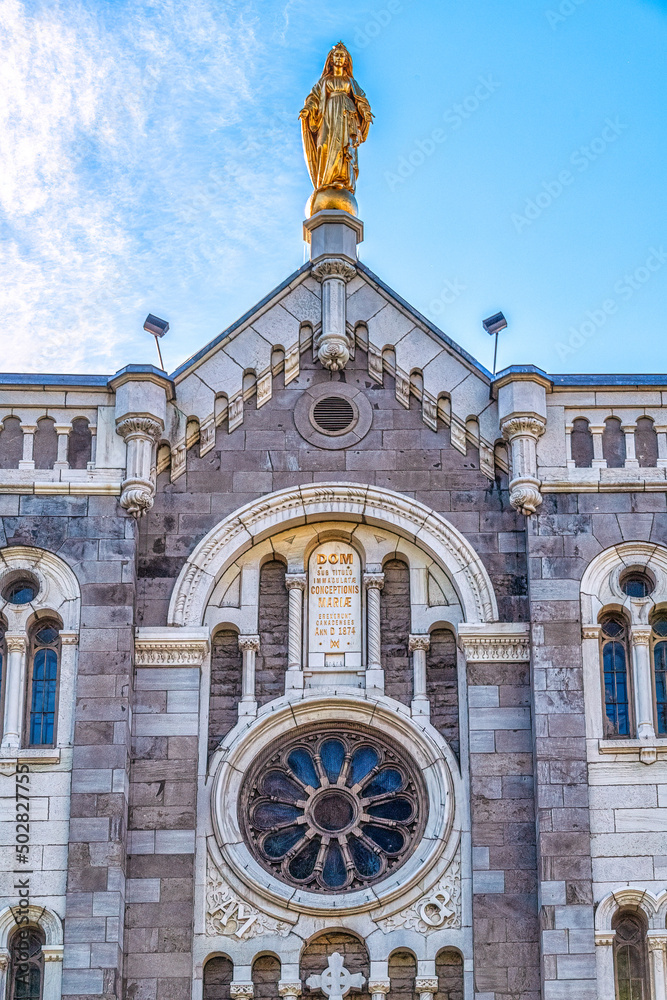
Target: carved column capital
288,990
605,939
16,642
426,984
378,988
241,991
591,631
139,425
295,581
373,581
333,267
419,642
249,643
530,425
640,635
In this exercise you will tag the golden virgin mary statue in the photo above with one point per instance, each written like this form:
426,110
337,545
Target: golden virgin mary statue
334,121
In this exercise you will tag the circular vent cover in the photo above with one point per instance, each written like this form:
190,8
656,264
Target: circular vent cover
333,414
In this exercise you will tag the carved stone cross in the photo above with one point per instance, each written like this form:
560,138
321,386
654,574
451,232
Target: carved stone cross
336,981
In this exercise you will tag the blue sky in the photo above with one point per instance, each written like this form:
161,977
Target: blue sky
150,160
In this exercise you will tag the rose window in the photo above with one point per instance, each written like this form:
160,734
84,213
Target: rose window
333,809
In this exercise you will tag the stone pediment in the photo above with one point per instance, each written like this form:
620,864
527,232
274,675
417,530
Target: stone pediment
214,384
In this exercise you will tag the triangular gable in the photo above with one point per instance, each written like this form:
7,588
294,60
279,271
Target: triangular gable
242,361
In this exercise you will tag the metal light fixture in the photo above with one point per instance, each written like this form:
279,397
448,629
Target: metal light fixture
158,327
493,325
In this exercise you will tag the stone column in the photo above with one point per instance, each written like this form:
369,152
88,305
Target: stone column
426,987
656,947
141,434
93,448
661,433
569,461
373,583
333,344
640,636
378,988
249,646
296,585
14,684
604,964
27,461
599,461
631,461
418,644
63,439
53,971
289,991
522,433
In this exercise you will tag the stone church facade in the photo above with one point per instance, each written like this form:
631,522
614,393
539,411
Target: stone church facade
333,665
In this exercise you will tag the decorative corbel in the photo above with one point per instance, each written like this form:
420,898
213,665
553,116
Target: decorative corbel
522,432
141,433
333,344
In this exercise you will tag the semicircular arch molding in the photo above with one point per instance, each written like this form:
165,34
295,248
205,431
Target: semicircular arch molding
327,501
58,586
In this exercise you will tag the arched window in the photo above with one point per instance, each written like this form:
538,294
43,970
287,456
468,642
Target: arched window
660,671
615,670
582,444
79,444
3,675
646,443
630,957
45,447
613,443
43,684
11,443
26,972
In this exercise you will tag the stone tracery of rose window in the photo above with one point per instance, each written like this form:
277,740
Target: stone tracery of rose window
334,809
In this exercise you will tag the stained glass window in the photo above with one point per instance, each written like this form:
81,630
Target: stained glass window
27,964
615,669
660,670
333,810
631,959
45,653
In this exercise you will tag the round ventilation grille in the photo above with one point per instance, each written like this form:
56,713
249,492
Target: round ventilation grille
333,414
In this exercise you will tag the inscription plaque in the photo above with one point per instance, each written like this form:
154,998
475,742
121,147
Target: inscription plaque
334,607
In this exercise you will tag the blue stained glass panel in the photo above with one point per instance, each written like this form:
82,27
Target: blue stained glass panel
334,873
278,786
302,864
390,841
387,780
363,761
617,708
278,844
366,862
43,702
396,809
302,764
270,814
332,755
660,664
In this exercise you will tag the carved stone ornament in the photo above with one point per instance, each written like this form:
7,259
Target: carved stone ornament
336,982
229,916
495,648
373,581
154,653
296,581
241,991
286,989
378,987
249,643
140,432
439,908
522,432
419,642
426,987
333,267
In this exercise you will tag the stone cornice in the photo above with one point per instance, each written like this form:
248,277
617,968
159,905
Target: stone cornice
170,647
497,642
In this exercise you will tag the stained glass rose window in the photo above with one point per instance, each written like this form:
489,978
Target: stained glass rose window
333,809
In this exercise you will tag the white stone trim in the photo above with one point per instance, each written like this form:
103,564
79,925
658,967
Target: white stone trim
432,755
169,647
343,502
497,642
